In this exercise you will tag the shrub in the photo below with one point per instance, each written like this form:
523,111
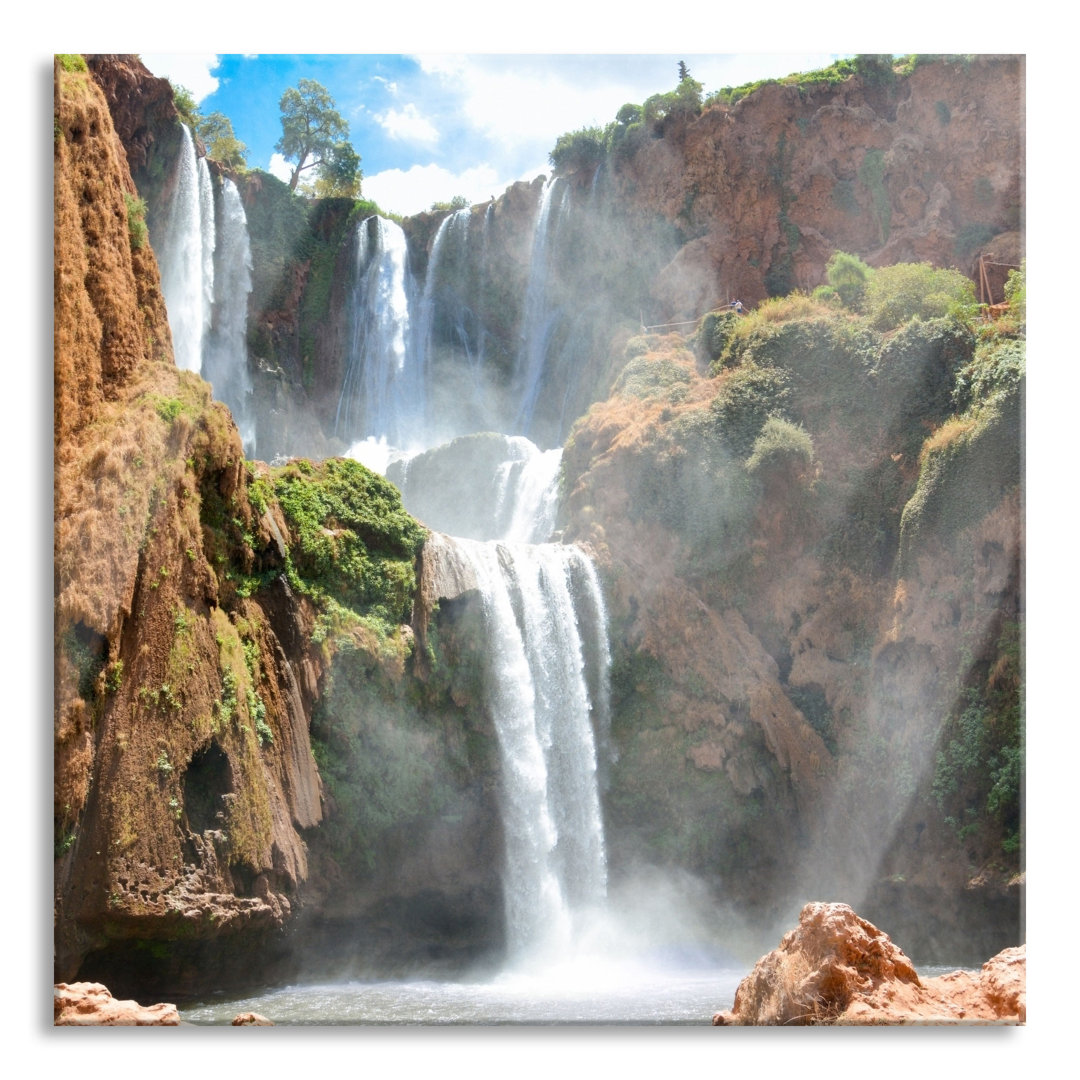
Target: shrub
72,62
895,294
746,400
848,275
781,446
578,150
1016,293
136,219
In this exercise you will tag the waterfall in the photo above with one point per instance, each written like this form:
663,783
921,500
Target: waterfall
186,256
224,362
482,487
538,318
527,491
383,391
544,686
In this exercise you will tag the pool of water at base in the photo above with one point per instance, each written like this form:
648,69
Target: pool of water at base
616,994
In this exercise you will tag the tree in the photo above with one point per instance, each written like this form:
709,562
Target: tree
684,71
216,131
339,174
848,275
314,134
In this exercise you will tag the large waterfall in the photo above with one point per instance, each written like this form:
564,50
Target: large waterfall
539,317
205,257
383,393
224,362
536,601
186,255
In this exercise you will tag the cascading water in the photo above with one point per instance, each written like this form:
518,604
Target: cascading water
541,702
538,318
186,256
224,362
383,393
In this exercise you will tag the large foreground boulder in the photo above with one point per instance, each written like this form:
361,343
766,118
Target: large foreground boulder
86,1004
836,968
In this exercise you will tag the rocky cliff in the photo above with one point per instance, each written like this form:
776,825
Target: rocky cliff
202,661
809,526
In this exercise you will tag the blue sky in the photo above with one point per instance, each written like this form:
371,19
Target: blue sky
431,126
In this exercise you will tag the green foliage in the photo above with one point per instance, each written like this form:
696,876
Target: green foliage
71,62
781,447
339,174
895,294
458,202
353,541
652,376
136,219
848,275
714,332
313,134
579,150
86,652
216,131
944,113
168,408
184,100
1016,293
745,401
972,237
875,68
978,779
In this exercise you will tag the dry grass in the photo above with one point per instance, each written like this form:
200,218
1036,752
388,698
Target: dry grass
946,435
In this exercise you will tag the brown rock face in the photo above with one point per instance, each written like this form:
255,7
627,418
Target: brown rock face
86,1004
926,167
836,968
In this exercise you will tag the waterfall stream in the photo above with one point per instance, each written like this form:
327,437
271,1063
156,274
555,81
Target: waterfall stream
204,253
186,254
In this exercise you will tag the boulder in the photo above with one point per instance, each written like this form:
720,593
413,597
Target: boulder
86,1004
251,1019
837,968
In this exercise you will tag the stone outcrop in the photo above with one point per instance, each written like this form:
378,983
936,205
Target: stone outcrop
837,968
86,1004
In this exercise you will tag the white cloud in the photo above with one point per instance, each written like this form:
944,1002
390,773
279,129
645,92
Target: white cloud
408,125
190,70
280,168
409,191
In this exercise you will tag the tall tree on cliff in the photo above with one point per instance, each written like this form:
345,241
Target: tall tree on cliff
314,133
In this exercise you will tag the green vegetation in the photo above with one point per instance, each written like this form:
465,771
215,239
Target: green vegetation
978,779
314,136
354,543
584,149
71,62
136,219
895,294
184,100
848,275
781,446
747,398
216,132
458,202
